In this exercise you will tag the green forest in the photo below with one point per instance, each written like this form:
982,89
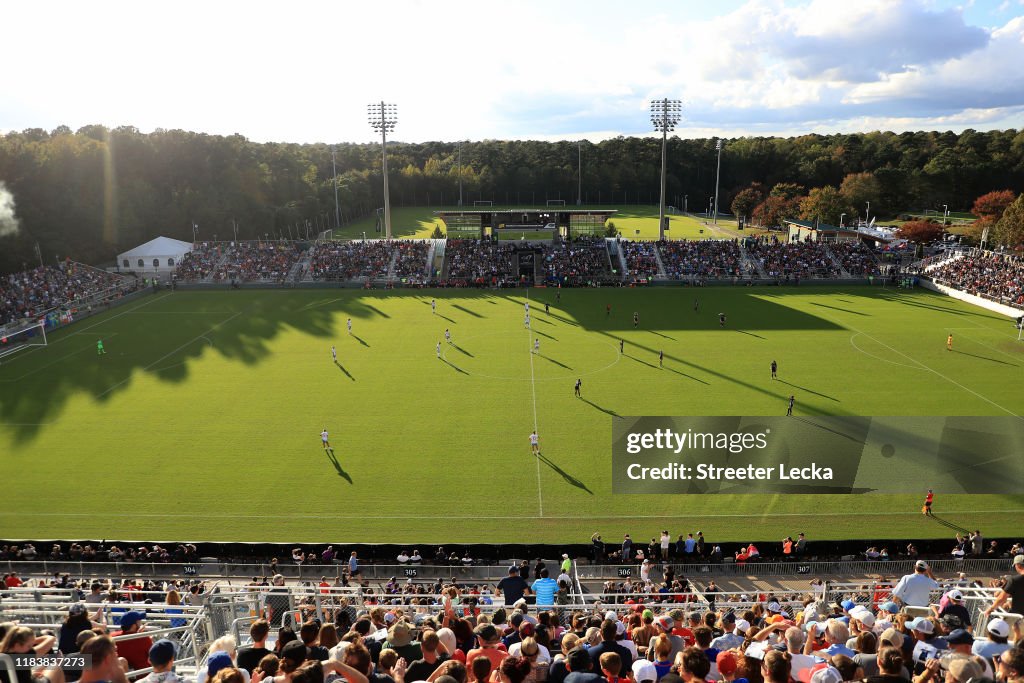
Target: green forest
89,193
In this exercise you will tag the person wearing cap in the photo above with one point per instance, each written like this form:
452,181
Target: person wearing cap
135,650
580,666
665,624
915,589
997,633
729,638
952,611
1013,590
399,639
960,643
566,563
161,658
77,621
512,587
925,645
609,643
644,672
487,646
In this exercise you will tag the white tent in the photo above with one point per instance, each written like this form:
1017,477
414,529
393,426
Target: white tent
157,257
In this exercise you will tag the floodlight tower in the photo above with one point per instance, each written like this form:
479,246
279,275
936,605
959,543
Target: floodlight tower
383,117
665,114
718,171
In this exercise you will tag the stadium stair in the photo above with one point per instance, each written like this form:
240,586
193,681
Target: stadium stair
392,264
435,258
300,268
934,262
835,260
623,269
661,265
751,263
225,258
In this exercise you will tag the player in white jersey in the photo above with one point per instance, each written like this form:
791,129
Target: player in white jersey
326,440
527,307
526,321
334,354
350,325
438,349
448,335
433,305
536,345
535,443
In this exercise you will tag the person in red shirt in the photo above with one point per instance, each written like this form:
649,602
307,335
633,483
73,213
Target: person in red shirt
12,580
927,509
135,650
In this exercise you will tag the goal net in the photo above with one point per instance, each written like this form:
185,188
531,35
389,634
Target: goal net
12,342
483,202
556,202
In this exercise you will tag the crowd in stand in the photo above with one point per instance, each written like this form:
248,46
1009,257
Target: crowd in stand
411,260
792,259
641,258
26,295
480,262
575,262
714,259
199,263
269,261
920,630
350,260
997,276
857,258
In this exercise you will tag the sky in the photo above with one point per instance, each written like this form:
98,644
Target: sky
529,69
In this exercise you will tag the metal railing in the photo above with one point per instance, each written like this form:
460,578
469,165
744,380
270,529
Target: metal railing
209,568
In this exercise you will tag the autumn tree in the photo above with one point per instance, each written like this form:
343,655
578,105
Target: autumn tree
787,190
747,200
993,204
860,188
774,209
1010,228
920,232
824,204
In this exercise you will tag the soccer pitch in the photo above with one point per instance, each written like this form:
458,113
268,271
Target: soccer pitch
202,420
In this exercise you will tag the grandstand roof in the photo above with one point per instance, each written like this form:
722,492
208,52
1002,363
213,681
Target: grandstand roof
547,209
159,246
820,226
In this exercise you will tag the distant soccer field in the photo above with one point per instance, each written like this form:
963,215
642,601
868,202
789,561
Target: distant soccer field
202,420
632,222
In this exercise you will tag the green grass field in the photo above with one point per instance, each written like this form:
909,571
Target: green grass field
202,420
419,222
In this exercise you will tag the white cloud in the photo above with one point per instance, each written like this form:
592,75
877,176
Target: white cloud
305,71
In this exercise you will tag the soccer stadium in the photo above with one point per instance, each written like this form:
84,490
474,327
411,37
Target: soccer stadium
733,397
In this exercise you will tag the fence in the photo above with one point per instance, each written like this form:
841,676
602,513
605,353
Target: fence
188,625
212,568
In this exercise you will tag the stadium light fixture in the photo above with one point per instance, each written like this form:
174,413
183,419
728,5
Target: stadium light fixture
665,114
841,217
867,213
579,191
337,208
718,171
945,215
383,117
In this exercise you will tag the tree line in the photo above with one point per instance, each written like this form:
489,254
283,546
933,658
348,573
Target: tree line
93,192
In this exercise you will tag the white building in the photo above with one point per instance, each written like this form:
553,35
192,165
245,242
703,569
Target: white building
156,257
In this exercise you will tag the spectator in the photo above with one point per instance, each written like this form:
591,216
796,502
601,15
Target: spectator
248,658
915,589
161,658
1012,591
134,650
996,642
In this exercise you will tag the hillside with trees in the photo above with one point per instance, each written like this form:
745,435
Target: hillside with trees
92,192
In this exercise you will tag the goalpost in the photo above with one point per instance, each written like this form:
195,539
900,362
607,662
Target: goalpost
556,202
483,202
12,342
